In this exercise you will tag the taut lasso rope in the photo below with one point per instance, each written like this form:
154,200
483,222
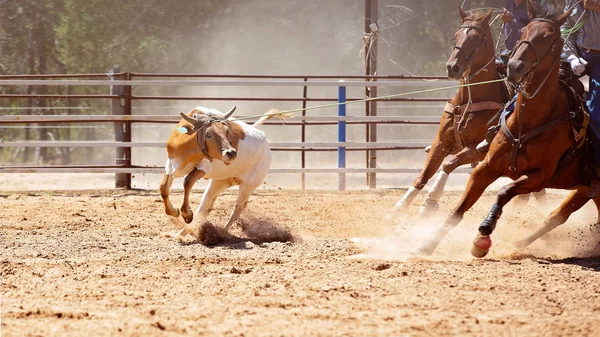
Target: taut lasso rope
284,112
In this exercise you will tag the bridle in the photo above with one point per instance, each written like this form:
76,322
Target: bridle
200,125
469,57
517,142
529,74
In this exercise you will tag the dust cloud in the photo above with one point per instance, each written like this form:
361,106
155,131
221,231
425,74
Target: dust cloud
296,38
579,237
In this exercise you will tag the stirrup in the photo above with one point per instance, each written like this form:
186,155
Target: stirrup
484,146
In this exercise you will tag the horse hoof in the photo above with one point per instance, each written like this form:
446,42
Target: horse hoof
424,251
429,209
478,252
415,255
481,246
522,244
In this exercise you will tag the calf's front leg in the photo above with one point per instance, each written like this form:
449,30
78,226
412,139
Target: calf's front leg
188,183
165,185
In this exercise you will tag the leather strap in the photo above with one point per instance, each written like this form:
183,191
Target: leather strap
473,107
200,136
459,112
517,143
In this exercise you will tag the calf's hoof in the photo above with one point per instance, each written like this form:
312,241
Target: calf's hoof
187,215
481,246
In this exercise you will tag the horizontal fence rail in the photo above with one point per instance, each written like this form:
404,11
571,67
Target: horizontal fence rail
133,169
99,143
177,118
259,83
122,96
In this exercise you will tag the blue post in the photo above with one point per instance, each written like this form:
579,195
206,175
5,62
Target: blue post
341,136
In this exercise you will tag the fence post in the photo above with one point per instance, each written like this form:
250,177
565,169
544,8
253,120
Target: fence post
121,106
371,30
342,136
303,129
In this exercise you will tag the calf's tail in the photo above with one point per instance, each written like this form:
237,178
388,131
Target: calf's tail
273,113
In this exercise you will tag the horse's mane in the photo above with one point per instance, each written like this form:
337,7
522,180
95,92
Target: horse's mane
476,16
545,12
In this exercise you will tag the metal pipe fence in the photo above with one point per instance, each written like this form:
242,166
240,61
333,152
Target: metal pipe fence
122,97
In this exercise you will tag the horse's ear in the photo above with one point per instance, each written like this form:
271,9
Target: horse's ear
563,17
532,9
486,19
462,13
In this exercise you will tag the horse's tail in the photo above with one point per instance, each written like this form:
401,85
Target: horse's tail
273,113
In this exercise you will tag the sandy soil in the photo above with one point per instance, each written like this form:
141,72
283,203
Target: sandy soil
96,263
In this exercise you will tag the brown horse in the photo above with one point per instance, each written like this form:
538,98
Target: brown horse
465,119
538,145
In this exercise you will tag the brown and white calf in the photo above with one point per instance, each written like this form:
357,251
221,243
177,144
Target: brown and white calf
207,144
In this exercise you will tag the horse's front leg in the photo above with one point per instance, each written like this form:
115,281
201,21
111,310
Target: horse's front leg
465,156
481,177
188,183
439,150
530,182
570,205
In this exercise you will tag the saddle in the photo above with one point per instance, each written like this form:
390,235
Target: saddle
585,140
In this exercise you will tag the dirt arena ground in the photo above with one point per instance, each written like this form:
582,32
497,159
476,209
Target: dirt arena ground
96,263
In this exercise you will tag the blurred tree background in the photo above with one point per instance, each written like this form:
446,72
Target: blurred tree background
308,37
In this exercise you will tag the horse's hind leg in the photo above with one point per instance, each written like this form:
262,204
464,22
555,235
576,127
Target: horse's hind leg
465,156
439,150
571,204
530,182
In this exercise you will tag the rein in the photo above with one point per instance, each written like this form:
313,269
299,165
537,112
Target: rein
517,143
529,75
460,112
475,51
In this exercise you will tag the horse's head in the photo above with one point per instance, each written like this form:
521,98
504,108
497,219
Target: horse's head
540,45
217,138
470,40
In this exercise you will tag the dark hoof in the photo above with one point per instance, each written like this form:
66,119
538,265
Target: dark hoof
481,246
187,216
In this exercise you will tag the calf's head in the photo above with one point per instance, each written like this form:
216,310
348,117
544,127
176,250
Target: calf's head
217,138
